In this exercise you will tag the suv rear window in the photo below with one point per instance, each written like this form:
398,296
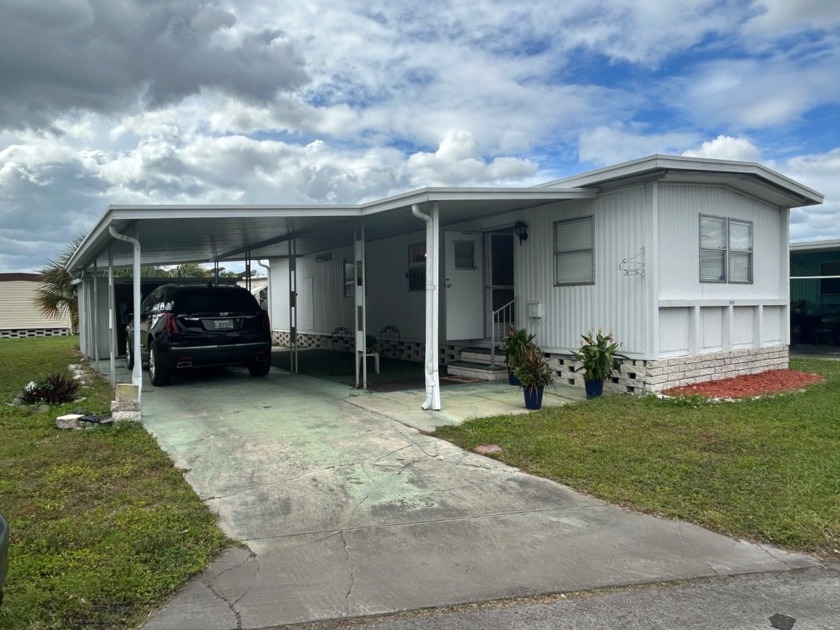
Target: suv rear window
214,301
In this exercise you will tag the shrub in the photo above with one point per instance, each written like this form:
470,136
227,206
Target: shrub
53,389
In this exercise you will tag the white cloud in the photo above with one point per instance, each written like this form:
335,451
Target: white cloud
457,162
727,148
776,17
822,173
756,93
608,145
227,101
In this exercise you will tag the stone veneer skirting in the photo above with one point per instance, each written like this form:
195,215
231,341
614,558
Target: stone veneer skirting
634,376
25,333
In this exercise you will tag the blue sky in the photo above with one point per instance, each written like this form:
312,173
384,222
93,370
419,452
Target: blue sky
334,101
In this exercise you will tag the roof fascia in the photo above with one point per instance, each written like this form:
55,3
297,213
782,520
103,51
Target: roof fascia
815,246
230,212
442,195
681,163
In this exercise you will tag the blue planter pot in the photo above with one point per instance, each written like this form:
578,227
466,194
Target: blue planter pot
513,379
594,388
533,397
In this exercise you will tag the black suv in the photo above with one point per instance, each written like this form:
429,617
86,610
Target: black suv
190,326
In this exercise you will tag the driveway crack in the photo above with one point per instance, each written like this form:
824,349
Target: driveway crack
232,604
352,572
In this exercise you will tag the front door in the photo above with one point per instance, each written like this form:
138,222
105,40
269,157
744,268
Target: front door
464,284
499,248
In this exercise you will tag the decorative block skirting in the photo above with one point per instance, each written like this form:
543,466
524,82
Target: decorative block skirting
638,376
26,333
411,350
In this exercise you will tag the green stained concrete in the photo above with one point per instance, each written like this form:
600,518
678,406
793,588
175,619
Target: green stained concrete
349,510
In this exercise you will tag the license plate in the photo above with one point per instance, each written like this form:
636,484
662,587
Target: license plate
223,324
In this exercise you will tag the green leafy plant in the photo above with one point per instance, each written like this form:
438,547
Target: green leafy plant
53,389
533,369
598,354
515,344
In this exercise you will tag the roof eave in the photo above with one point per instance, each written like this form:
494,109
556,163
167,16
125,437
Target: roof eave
664,163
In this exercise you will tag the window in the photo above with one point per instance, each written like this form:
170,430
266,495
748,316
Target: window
574,255
726,250
464,254
417,267
830,286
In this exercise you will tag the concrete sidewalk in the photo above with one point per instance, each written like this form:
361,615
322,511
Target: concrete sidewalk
347,511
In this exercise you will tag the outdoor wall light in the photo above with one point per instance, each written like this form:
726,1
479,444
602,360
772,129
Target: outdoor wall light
520,228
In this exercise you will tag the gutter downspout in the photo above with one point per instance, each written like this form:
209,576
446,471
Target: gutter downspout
432,260
267,285
136,373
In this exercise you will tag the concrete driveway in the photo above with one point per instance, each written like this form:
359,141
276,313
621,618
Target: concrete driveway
348,511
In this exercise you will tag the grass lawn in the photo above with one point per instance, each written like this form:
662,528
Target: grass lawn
766,470
103,527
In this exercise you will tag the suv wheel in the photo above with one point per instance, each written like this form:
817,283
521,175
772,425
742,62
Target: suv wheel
158,374
129,358
259,369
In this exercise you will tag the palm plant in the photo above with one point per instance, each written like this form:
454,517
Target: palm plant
57,294
598,355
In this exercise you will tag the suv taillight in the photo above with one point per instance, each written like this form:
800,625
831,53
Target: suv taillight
266,324
169,324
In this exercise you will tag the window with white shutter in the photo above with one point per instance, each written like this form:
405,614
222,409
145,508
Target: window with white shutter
574,252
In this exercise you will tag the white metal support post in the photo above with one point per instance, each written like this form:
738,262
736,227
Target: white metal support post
361,314
293,348
432,313
95,315
112,331
136,373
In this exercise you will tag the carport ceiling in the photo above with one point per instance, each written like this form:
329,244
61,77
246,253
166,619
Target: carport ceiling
179,234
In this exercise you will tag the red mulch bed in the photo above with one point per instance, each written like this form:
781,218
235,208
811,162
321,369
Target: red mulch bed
749,386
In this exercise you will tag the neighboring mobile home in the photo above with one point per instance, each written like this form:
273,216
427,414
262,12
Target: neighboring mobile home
815,292
685,260
20,317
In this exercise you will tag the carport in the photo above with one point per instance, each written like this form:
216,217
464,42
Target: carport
132,236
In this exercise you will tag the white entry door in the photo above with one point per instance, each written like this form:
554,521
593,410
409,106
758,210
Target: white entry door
464,284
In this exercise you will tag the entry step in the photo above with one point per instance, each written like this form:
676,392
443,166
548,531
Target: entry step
482,355
481,371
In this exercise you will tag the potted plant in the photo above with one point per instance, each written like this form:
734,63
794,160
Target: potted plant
534,373
598,354
514,344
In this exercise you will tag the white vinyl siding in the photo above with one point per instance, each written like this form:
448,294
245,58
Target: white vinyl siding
574,255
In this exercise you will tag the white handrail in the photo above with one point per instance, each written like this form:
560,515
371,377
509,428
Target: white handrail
505,315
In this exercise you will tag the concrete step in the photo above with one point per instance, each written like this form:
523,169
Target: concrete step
481,371
481,355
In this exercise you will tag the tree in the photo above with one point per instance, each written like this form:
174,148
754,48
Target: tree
57,294
190,270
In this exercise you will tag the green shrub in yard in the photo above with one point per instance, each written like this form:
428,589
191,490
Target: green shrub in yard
53,389
103,527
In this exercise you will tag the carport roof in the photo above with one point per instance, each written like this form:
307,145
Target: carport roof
171,234
179,234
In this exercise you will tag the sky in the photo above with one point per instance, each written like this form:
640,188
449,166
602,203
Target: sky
341,101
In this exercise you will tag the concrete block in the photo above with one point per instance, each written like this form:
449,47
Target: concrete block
68,421
129,416
126,392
